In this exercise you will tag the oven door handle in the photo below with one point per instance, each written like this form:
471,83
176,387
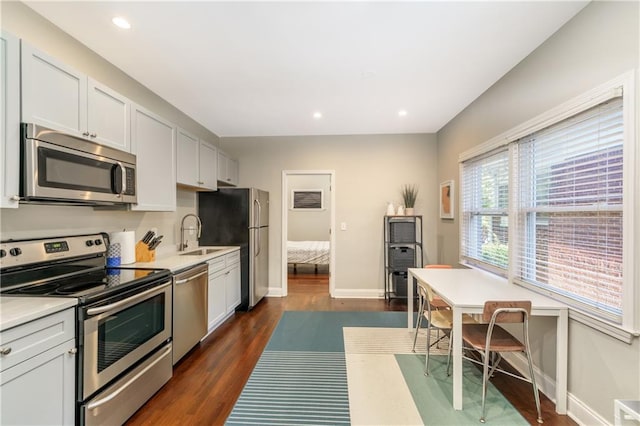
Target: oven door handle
144,294
95,404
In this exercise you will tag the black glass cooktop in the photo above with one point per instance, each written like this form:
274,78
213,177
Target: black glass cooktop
91,283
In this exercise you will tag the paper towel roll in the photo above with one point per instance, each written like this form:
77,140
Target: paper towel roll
127,241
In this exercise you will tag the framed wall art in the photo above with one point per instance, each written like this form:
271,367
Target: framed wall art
447,198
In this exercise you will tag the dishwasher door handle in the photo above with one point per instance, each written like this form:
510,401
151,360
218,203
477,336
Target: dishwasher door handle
191,278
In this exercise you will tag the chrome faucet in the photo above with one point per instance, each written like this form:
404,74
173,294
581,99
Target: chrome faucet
183,243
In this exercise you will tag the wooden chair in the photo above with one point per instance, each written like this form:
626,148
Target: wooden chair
489,340
440,320
437,302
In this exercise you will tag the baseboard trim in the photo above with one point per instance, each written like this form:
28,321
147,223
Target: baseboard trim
274,292
576,409
357,294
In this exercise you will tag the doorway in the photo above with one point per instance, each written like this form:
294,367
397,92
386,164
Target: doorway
308,218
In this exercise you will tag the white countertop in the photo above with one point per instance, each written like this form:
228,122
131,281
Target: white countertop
177,261
16,311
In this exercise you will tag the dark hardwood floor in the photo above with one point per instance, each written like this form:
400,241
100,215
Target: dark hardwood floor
208,380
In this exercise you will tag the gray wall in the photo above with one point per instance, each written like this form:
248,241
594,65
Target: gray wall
309,225
38,221
599,44
369,172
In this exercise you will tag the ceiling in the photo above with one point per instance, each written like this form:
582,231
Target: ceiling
264,68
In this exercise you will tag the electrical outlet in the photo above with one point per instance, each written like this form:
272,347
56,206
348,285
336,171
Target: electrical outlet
343,226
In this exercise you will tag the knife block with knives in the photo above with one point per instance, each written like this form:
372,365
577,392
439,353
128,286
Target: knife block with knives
145,248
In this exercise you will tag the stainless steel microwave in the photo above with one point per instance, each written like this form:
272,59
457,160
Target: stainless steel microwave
61,168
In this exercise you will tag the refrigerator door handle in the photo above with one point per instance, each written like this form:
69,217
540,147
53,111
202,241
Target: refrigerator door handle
257,247
258,213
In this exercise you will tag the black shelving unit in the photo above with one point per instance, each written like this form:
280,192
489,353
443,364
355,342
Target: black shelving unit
402,250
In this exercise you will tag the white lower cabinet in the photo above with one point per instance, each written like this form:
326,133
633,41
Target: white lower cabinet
224,288
37,373
232,290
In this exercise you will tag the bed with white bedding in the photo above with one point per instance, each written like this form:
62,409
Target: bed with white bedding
308,252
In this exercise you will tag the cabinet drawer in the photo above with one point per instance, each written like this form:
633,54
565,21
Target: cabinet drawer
216,264
232,258
30,339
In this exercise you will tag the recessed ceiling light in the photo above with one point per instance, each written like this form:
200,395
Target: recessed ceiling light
317,115
119,21
402,112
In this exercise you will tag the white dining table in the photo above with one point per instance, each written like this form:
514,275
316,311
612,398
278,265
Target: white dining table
466,290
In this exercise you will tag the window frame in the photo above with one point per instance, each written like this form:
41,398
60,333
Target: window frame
480,212
630,324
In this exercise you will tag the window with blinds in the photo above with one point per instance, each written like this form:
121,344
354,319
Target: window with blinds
306,199
485,203
569,209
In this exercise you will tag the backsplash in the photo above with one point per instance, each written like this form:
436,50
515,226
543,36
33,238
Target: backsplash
39,221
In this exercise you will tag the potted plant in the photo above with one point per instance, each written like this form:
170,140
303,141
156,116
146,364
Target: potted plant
409,195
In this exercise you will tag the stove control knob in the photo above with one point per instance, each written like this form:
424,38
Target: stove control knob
15,251
89,243
98,242
3,253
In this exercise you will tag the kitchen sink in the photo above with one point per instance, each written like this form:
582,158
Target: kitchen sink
201,252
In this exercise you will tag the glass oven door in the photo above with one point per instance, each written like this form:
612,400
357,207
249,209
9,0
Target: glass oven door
119,334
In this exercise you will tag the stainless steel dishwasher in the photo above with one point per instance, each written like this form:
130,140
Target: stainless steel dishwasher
189,309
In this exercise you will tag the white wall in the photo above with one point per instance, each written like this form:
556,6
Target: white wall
41,221
309,225
369,172
599,44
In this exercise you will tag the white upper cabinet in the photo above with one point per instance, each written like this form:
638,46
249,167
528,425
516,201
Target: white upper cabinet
10,120
208,162
109,116
227,170
153,141
55,95
188,147
197,162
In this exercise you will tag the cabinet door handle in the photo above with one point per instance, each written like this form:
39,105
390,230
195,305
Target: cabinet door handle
85,134
73,351
5,351
93,135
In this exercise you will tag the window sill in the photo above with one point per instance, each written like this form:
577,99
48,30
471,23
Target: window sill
614,330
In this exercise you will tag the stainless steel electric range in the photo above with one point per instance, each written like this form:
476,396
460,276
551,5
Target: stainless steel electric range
123,322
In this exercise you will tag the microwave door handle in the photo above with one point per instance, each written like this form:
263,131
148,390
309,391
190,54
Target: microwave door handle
120,187
124,178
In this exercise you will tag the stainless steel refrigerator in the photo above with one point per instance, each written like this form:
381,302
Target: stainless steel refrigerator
240,217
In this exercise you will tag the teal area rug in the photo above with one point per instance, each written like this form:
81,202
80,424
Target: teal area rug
341,368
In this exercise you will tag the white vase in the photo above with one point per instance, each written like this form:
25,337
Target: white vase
409,211
390,210
400,211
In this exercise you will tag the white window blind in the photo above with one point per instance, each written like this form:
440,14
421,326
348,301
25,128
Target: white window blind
569,209
307,199
485,203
